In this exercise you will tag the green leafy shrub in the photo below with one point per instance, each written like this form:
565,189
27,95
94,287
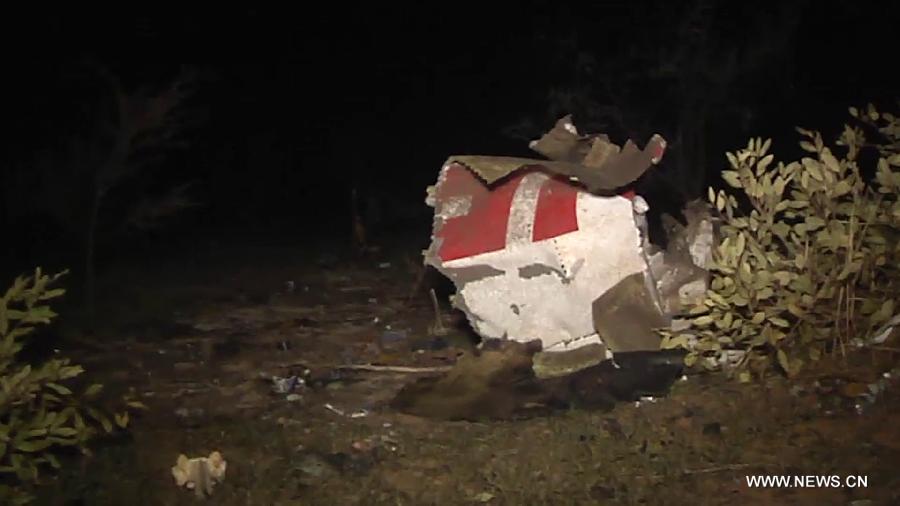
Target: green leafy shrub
39,413
813,266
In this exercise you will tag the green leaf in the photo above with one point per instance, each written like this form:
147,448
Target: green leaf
783,277
799,203
718,299
764,163
699,309
781,229
679,341
730,177
703,321
60,389
690,359
32,446
872,112
781,322
64,432
784,362
885,312
39,314
137,405
14,292
52,294
849,269
795,310
732,160
830,162
52,460
813,168
101,418
93,390
739,301
740,243
814,222
721,323
894,160
70,371
107,426
814,354
65,441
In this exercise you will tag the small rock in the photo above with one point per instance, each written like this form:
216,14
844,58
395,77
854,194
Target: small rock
286,385
361,446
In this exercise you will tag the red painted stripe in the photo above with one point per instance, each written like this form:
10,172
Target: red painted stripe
483,229
555,213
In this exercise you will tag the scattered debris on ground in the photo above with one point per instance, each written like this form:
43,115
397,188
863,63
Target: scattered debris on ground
200,474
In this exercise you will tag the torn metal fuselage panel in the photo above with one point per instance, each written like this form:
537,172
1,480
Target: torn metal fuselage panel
531,250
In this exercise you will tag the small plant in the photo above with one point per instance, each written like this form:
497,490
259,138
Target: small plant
39,413
813,266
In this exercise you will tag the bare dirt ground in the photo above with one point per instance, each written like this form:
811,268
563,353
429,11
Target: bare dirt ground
200,334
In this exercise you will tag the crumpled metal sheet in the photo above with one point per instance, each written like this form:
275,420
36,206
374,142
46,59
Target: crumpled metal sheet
682,271
626,315
591,160
550,250
530,256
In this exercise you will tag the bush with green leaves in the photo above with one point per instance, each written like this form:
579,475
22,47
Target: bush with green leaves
808,263
39,412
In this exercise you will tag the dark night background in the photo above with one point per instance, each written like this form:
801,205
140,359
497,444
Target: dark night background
292,108
216,269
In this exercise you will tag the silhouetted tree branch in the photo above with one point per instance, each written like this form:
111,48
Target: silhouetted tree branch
143,127
679,71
